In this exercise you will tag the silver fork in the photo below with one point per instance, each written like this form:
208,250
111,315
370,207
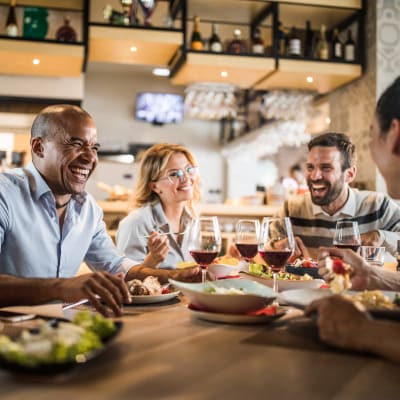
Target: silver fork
165,233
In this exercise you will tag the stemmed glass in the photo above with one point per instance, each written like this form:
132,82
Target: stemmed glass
347,235
147,6
276,245
247,238
204,242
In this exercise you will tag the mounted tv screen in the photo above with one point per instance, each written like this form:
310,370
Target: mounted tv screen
159,108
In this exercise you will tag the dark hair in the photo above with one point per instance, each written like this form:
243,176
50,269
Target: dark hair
339,140
388,106
55,119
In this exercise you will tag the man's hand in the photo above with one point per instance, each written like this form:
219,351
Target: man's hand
192,274
372,238
340,322
98,288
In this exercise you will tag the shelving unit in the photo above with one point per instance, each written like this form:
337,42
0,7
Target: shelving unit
272,70
56,59
137,44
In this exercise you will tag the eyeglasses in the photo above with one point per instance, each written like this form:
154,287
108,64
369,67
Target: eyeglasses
178,175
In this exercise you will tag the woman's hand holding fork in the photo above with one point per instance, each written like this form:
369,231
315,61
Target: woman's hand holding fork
158,247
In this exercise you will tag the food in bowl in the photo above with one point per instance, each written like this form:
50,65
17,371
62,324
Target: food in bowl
265,272
375,299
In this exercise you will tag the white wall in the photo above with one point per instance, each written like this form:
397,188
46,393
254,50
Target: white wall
110,99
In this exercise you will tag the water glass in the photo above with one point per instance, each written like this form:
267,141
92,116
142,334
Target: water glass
374,255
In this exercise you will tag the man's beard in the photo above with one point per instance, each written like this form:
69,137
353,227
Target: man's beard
332,191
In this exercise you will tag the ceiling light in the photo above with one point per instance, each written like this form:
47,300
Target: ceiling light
161,71
224,74
35,61
133,49
310,79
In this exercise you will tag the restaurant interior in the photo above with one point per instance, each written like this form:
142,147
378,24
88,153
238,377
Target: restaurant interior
247,117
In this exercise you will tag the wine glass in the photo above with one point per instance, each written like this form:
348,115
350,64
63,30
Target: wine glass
276,245
204,242
347,235
147,6
247,237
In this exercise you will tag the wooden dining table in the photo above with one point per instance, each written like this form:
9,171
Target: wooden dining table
165,352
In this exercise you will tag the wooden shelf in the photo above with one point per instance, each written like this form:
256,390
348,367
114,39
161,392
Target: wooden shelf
108,43
243,71
56,59
326,75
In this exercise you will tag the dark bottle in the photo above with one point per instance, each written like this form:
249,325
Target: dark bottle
214,43
337,46
237,45
196,42
11,22
349,48
309,41
257,44
66,33
294,43
282,40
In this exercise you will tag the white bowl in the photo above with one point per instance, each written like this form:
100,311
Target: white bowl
256,296
223,270
285,284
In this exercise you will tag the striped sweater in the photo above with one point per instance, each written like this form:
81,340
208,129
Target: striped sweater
372,211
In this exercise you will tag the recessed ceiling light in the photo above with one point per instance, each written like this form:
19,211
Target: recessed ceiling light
35,61
224,74
310,79
161,71
133,49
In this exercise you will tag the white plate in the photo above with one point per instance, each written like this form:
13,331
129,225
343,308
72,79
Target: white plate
151,299
236,318
285,284
255,296
301,298
223,270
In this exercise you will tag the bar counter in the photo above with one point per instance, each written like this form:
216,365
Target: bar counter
165,353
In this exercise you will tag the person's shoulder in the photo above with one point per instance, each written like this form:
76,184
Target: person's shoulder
299,200
374,198
14,179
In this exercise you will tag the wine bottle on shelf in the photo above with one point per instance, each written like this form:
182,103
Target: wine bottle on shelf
322,46
294,43
11,22
337,46
309,41
349,48
257,44
196,42
282,40
237,45
214,43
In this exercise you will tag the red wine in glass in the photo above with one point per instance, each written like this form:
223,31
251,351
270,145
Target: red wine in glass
354,247
276,259
203,257
247,250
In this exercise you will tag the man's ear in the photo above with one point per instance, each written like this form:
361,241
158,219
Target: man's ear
37,146
394,137
350,174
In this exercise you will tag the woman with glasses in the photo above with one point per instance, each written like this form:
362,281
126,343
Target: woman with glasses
166,191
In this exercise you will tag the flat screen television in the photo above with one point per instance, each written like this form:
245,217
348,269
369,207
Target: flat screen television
159,108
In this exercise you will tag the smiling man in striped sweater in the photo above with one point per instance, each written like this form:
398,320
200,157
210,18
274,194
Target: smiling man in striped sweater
330,167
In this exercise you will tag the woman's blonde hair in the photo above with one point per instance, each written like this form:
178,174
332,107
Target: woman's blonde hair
152,165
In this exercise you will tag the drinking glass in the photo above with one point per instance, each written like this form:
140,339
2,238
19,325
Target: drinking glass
204,242
276,245
347,235
247,238
375,255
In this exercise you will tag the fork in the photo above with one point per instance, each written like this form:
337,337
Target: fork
164,233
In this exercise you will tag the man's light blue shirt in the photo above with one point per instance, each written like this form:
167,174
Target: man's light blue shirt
31,244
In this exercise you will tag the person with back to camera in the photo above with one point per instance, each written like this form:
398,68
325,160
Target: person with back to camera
341,323
155,233
330,168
